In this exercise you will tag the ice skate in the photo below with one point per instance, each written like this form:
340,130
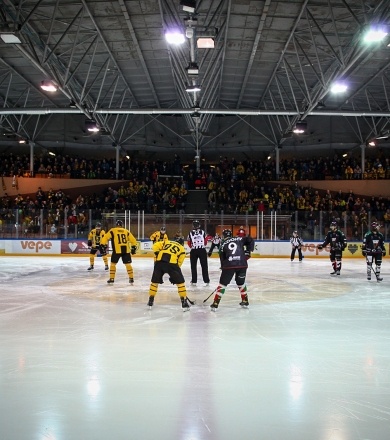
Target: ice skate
206,284
131,281
334,273
192,284
214,306
244,303
369,277
184,304
90,267
151,301
106,267
378,277
337,272
110,281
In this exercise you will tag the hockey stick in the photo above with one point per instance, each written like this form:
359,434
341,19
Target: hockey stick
191,302
376,275
210,295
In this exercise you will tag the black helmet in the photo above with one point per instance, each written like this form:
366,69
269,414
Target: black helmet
196,224
295,233
178,239
98,226
119,223
333,226
226,233
163,229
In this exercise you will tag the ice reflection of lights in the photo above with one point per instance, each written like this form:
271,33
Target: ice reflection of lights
48,436
93,386
22,363
296,382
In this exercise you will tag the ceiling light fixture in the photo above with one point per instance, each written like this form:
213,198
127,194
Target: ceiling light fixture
91,126
300,127
188,5
206,40
339,87
48,86
193,89
175,37
371,143
193,69
8,33
375,34
205,43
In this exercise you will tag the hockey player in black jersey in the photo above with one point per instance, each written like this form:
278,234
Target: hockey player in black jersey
337,241
234,253
373,248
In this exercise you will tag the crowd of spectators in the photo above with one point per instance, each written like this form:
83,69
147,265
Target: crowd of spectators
233,187
337,167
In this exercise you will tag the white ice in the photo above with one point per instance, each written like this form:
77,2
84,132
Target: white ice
309,360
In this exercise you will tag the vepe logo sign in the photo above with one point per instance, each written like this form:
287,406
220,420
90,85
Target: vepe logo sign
36,245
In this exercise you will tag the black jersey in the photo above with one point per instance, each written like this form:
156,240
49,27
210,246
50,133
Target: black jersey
234,252
336,240
373,242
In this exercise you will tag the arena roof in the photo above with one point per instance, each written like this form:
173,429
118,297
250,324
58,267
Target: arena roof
272,65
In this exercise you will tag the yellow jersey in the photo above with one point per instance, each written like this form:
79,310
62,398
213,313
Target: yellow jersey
95,236
158,236
169,252
121,240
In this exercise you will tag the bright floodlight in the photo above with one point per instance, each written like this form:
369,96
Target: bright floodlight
193,89
175,37
339,88
375,35
48,86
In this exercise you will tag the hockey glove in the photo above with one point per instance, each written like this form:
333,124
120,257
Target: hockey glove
209,254
133,250
364,253
103,249
247,254
89,243
320,247
384,252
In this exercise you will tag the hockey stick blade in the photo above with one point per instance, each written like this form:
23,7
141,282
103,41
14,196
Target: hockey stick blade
191,302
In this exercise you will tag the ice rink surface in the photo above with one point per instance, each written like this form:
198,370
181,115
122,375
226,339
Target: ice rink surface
309,360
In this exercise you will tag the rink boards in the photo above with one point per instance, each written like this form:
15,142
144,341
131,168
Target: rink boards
266,248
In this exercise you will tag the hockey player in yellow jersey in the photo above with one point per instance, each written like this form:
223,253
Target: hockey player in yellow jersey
169,256
160,235
123,243
94,237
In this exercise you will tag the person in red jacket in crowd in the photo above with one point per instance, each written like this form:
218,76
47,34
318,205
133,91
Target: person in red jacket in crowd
241,232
